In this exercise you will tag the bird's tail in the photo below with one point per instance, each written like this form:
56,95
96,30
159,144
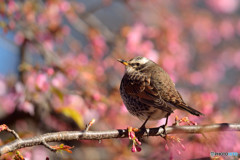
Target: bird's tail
190,110
194,111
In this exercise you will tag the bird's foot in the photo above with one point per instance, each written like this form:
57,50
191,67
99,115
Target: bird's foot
164,134
132,136
143,130
183,120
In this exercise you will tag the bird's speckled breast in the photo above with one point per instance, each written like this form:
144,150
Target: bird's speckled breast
139,109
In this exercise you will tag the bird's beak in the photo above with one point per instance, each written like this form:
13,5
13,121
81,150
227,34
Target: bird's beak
123,62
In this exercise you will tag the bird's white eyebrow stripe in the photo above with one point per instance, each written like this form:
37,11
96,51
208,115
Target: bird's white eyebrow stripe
143,60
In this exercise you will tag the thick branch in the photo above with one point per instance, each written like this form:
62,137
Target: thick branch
120,133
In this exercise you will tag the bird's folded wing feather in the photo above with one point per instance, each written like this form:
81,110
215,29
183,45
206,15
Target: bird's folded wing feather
170,95
141,87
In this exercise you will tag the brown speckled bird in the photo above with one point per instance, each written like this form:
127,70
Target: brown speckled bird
148,92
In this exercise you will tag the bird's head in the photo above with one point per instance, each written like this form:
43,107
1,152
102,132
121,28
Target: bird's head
135,64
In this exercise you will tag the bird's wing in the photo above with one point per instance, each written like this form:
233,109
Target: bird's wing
169,93
140,86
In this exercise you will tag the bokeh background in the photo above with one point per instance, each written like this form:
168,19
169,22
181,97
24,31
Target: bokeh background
59,71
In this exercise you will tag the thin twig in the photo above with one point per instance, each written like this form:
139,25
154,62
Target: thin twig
4,127
14,133
48,146
89,125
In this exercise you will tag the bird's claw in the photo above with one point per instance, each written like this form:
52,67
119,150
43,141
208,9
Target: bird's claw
164,133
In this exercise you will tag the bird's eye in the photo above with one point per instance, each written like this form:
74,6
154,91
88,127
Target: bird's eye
137,64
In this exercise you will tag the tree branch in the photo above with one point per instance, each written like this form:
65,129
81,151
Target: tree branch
119,133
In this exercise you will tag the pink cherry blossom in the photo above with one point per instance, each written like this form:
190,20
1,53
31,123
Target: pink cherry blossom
134,38
27,107
3,87
196,78
226,29
225,6
64,6
8,103
42,82
59,81
19,38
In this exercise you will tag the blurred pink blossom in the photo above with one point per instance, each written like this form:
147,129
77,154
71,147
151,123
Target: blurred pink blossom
3,87
226,29
134,38
12,24
27,107
39,153
42,19
214,72
50,71
194,150
238,27
202,28
146,46
48,44
56,123
214,36
64,6
19,38
42,82
236,147
97,96
174,47
59,81
83,59
99,45
8,102
152,32
101,108
89,114
208,109
99,70
153,55
196,78
123,108
71,73
19,88
28,154
169,63
53,10
235,93
209,97
80,7
30,81
66,30
74,101
224,6
236,58
12,7
227,141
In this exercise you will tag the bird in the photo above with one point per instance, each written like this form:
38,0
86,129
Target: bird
149,93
